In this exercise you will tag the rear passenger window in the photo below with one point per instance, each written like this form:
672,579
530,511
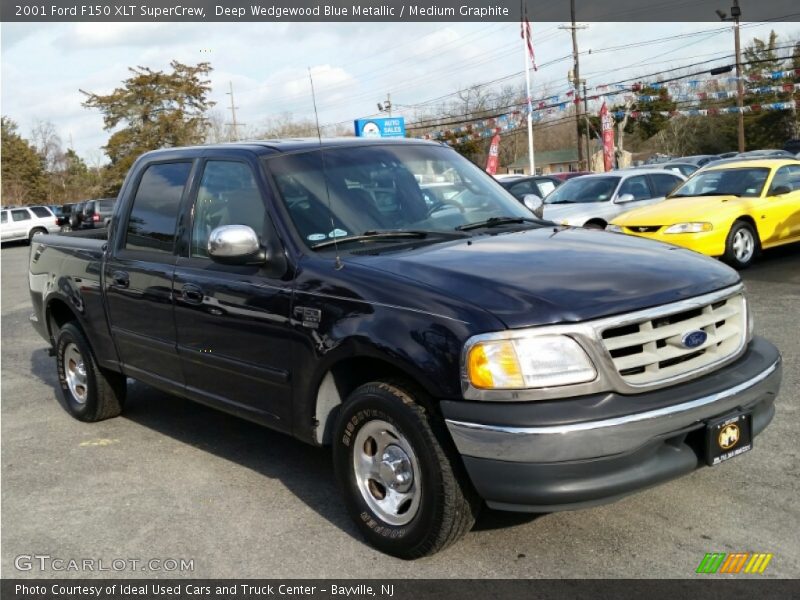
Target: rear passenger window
151,225
41,211
20,215
4,217
636,186
663,184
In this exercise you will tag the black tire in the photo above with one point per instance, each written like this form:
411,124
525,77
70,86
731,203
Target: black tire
741,234
36,231
446,505
101,395
595,225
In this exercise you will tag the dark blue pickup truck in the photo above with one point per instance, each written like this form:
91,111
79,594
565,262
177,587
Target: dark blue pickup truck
390,299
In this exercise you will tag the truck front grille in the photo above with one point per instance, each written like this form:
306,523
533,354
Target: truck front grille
653,350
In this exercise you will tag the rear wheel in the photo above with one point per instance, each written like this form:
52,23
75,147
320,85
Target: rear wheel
402,481
741,245
36,231
90,393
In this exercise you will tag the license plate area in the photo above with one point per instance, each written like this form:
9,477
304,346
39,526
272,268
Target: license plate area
728,437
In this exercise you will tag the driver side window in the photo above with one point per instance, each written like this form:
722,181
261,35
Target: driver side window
786,176
228,195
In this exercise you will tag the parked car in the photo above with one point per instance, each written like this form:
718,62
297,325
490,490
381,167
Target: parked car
24,222
63,219
766,154
569,175
699,160
593,200
684,169
730,211
539,185
76,215
548,368
97,213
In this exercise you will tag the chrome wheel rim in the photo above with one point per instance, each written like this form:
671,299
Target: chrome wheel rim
387,472
75,373
743,245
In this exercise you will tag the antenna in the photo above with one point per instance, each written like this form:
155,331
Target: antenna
338,261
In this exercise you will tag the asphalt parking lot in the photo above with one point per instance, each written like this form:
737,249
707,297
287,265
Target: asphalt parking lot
172,479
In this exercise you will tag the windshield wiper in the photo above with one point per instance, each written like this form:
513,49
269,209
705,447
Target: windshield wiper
374,235
497,222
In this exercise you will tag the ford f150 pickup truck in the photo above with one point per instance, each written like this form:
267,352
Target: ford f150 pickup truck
453,349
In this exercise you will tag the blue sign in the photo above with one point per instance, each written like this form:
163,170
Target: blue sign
388,127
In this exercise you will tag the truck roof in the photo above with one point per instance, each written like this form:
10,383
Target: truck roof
291,145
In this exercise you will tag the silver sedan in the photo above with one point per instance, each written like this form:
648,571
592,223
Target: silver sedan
594,200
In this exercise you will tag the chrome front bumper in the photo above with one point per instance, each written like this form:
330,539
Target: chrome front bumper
611,436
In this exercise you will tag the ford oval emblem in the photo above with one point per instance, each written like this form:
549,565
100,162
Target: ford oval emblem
694,339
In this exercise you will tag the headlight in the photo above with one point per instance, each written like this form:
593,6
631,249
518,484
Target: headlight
614,228
528,362
689,228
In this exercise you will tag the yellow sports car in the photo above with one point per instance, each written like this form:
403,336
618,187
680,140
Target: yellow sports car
731,210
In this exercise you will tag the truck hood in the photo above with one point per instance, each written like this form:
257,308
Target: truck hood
555,274
678,210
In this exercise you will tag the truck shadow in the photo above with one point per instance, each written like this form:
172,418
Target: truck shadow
304,470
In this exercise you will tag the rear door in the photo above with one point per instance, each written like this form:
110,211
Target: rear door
233,332
21,222
139,273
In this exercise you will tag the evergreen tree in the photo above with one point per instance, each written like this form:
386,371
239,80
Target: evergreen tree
24,180
152,109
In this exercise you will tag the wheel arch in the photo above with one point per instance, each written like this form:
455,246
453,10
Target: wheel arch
596,221
342,377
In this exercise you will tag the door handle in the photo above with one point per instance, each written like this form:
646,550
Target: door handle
120,279
192,294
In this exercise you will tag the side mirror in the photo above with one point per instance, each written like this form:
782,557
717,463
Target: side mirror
534,204
626,198
235,245
780,190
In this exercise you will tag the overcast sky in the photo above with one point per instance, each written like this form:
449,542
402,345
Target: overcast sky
354,64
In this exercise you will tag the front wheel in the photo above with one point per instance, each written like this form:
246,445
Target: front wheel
741,246
403,484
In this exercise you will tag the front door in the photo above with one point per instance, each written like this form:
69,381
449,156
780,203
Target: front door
139,273
233,321
778,215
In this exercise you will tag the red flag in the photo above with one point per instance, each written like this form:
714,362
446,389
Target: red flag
525,34
608,137
494,152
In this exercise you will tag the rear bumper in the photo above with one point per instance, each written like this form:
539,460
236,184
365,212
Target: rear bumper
574,453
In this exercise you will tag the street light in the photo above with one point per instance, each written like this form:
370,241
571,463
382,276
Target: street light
736,13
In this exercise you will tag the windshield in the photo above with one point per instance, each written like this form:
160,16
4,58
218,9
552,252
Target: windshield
746,182
584,189
386,188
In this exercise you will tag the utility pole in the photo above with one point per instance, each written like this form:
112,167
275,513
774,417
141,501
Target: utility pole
736,13
576,80
386,106
234,124
588,126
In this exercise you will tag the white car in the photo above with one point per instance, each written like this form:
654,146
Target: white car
594,200
24,222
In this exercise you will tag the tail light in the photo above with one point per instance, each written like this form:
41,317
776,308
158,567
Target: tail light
95,217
